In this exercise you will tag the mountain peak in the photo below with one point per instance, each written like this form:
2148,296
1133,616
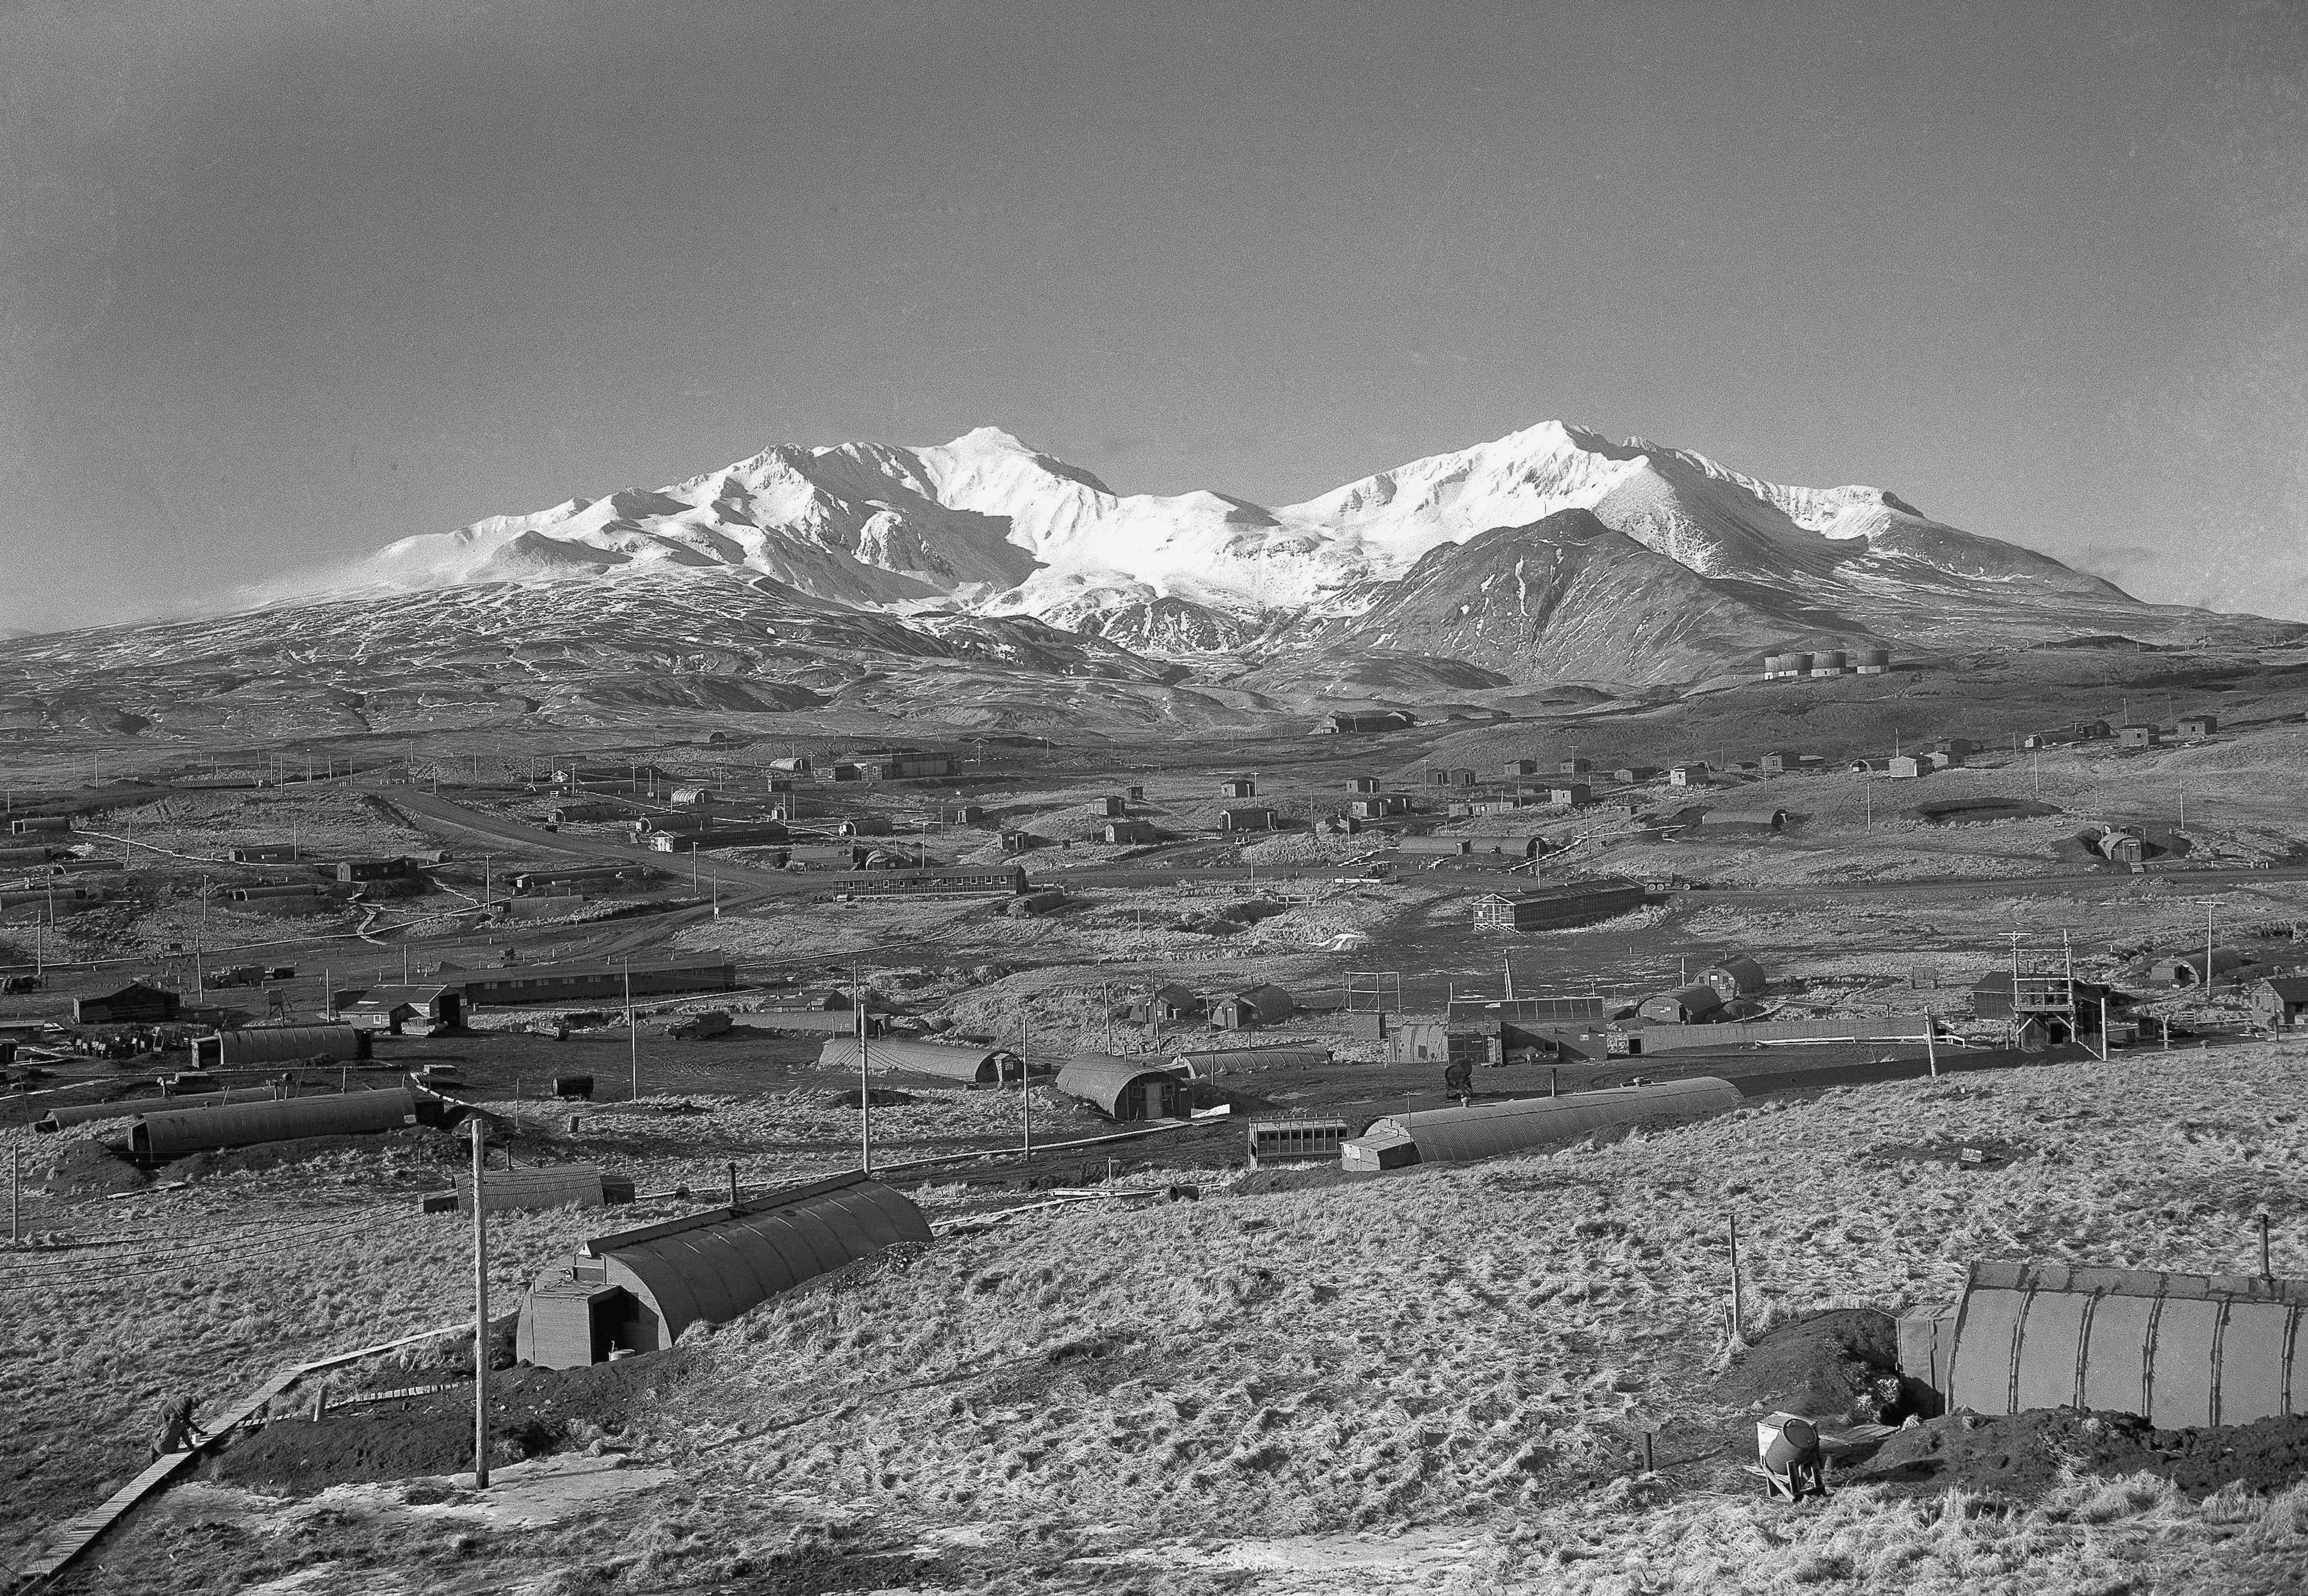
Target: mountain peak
991,440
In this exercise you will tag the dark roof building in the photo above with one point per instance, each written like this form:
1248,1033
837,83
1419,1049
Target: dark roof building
133,1004
2280,1001
582,980
1566,903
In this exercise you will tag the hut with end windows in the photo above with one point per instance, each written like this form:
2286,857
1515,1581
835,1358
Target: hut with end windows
1238,787
1490,1129
1241,819
1736,976
637,1291
1143,1088
972,1064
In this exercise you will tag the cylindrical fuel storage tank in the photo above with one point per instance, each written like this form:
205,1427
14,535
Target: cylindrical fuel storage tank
174,1134
1799,662
1875,662
1830,664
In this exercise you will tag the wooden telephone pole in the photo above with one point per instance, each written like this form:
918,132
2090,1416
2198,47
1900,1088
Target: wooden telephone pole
480,1314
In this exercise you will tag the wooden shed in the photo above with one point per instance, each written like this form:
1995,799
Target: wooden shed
637,1291
2280,1001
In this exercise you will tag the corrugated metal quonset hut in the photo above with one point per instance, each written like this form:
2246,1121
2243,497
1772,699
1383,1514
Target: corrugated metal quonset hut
948,1061
1211,1061
636,1290
1127,1088
279,1045
1489,1130
2178,1350
85,1113
174,1135
1682,1005
557,1186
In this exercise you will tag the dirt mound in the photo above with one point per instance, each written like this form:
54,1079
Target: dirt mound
2020,1455
1825,1366
882,1097
293,1456
89,1166
534,1411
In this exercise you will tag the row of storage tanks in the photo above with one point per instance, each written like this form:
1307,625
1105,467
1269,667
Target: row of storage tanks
1831,662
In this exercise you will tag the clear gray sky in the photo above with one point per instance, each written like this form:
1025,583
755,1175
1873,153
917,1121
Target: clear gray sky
281,281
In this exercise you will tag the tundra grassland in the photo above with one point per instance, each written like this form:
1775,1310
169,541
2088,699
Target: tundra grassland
1206,1396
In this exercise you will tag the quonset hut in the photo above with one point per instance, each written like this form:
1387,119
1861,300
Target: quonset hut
158,1137
636,1290
947,1060
279,1045
1486,1130
2179,1351
1127,1088
128,1108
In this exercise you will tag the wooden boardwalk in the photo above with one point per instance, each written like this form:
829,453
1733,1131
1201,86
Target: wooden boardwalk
74,1536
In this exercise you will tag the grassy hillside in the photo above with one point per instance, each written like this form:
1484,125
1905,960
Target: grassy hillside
1480,1349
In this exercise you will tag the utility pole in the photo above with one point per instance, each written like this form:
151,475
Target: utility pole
632,1031
864,1080
1026,1077
15,1188
1931,1045
1737,1326
2207,955
480,1317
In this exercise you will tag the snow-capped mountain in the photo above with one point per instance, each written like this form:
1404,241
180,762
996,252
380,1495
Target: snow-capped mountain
992,526
1702,564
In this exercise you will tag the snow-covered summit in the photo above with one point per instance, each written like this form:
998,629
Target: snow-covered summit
988,523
